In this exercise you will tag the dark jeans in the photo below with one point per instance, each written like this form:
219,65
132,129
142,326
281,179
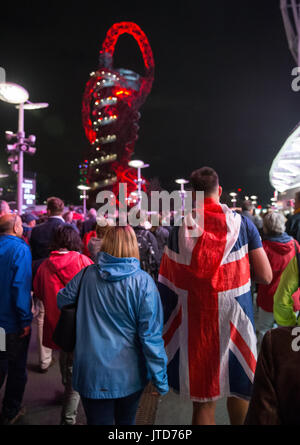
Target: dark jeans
13,365
112,411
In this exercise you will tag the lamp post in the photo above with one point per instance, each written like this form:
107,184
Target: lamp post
15,94
233,200
182,191
84,189
254,200
138,165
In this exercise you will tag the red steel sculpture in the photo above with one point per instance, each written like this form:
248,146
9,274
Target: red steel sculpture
110,113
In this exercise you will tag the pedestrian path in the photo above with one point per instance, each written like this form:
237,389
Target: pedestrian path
44,392
174,411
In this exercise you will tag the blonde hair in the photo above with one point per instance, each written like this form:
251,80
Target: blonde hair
120,242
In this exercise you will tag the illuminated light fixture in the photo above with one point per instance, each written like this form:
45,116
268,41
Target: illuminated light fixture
105,183
13,93
126,93
34,106
10,135
2,175
107,120
285,169
106,101
233,194
137,164
253,197
104,159
181,181
107,139
84,188
182,192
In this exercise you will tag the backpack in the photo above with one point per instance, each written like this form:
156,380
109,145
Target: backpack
147,254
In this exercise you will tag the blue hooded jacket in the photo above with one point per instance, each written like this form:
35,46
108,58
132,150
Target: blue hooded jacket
119,345
15,284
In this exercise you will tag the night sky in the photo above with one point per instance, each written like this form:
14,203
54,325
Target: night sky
221,97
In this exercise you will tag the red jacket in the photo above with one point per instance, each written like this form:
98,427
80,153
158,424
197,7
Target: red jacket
52,275
280,250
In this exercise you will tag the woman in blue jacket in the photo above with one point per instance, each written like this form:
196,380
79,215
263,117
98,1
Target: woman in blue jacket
119,345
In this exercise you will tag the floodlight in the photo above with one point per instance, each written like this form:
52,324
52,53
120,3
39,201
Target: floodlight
13,93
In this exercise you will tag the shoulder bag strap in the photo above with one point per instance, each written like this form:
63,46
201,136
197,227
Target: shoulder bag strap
80,283
297,254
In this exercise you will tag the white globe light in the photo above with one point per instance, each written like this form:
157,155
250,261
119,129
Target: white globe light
83,187
13,93
136,164
181,181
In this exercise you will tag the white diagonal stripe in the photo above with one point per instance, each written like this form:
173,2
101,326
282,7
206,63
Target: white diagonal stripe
237,255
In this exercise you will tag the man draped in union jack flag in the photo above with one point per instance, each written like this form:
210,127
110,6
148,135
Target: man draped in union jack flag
204,284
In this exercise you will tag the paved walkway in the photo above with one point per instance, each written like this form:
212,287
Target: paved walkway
44,392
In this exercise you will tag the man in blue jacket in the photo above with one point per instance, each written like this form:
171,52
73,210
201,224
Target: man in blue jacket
15,314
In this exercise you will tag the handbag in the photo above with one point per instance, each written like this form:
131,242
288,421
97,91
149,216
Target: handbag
64,335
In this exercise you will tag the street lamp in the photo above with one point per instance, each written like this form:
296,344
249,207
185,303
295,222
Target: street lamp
33,106
15,94
138,165
84,188
254,200
182,191
233,200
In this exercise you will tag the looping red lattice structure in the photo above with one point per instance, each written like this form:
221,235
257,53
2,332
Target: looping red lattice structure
135,31
111,101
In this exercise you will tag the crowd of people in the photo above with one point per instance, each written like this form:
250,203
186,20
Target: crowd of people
154,304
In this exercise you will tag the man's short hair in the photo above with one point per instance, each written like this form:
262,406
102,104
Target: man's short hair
247,206
92,213
297,196
55,206
7,223
205,179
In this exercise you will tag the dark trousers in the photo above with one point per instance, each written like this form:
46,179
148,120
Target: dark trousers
13,365
120,411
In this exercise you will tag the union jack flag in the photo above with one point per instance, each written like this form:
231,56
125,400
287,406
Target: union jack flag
204,284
